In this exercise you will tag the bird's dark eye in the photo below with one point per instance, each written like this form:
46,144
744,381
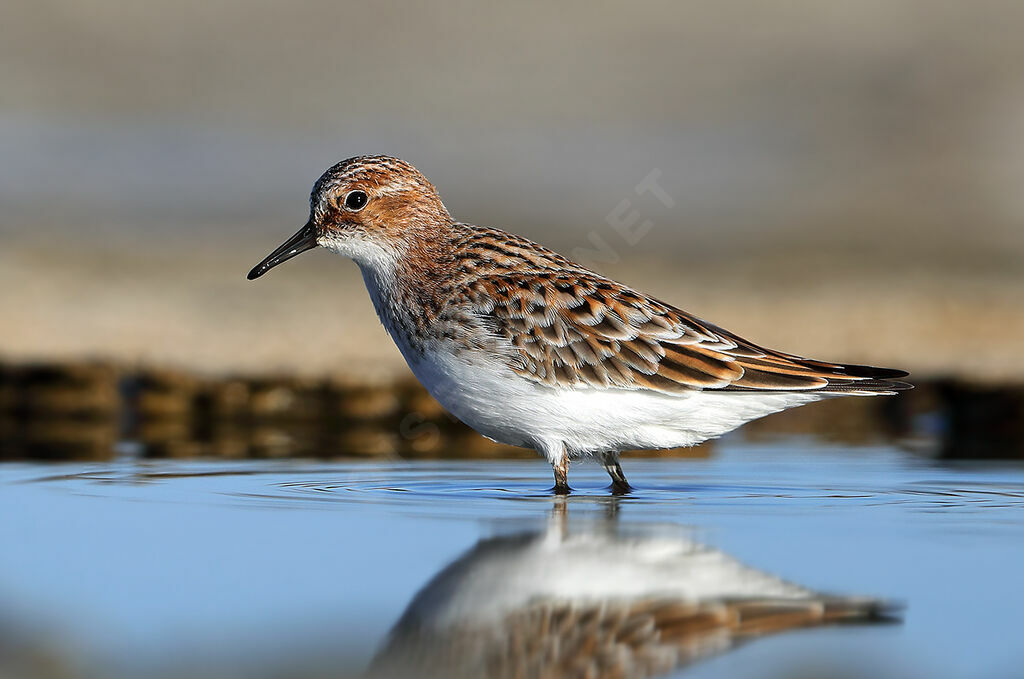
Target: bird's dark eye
355,200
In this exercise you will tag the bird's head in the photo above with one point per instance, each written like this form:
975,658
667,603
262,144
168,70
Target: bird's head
368,208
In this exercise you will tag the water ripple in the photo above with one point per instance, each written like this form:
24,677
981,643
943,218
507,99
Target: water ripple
659,482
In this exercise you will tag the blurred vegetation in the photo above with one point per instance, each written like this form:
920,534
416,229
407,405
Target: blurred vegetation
94,411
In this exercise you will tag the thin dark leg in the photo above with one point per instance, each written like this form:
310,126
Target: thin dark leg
620,485
561,469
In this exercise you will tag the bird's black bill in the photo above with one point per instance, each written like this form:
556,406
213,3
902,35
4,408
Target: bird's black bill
304,240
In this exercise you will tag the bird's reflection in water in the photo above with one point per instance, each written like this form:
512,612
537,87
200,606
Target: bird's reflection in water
597,599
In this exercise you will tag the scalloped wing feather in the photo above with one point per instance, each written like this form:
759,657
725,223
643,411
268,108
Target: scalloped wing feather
573,328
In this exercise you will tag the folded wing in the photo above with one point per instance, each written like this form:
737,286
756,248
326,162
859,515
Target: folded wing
572,329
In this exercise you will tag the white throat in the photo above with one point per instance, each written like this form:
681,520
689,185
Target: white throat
379,265
367,254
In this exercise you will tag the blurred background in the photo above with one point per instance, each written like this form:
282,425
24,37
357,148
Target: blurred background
839,180
844,178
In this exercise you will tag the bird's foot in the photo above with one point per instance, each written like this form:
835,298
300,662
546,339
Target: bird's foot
620,487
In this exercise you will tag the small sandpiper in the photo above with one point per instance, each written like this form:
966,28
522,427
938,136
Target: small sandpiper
531,349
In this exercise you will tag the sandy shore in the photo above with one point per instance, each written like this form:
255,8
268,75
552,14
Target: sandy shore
192,308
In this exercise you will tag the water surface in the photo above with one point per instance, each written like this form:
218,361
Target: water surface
261,567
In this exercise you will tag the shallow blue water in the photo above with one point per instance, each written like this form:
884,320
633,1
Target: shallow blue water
248,564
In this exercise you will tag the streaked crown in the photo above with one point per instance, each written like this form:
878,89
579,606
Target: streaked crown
379,177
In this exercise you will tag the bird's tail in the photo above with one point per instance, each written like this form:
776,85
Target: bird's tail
776,371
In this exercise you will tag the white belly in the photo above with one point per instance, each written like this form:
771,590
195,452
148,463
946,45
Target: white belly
511,409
